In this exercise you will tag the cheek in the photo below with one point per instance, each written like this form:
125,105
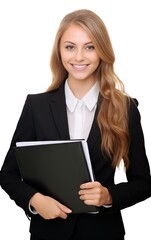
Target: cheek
97,61
65,58
65,62
95,58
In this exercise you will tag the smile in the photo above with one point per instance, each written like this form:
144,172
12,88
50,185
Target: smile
80,67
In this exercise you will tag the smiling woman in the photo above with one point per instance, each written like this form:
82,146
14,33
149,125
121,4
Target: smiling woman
86,100
80,59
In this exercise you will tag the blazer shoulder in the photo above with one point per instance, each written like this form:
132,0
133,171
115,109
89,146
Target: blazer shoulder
133,112
43,96
135,101
133,104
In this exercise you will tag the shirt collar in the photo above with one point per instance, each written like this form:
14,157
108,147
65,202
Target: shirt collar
90,99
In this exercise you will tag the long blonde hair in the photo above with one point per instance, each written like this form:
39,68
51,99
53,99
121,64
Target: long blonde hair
113,114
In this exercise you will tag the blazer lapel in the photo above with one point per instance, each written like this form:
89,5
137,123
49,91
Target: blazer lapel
58,107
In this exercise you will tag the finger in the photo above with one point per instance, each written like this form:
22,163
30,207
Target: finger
87,185
92,202
63,215
64,208
90,191
86,197
90,185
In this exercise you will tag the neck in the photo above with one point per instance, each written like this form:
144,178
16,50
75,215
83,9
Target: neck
80,87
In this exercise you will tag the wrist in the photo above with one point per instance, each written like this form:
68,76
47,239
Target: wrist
34,199
31,206
109,198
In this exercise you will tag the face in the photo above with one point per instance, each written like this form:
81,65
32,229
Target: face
78,54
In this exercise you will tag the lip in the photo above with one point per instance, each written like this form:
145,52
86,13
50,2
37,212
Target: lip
79,67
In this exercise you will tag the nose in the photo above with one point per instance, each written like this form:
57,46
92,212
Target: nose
79,55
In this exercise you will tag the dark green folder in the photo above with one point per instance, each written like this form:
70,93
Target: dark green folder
56,170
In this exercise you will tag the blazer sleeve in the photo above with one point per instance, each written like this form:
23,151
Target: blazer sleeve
10,179
138,185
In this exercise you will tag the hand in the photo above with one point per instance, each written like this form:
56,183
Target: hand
49,208
93,193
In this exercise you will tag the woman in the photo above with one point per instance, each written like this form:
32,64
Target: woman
85,100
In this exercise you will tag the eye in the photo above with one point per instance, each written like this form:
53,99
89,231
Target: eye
90,47
70,47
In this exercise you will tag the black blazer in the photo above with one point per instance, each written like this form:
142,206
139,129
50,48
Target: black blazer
44,118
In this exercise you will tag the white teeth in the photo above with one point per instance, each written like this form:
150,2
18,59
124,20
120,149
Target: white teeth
80,67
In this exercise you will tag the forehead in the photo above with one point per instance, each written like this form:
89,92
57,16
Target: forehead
76,34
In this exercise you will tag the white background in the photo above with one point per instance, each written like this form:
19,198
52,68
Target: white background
27,30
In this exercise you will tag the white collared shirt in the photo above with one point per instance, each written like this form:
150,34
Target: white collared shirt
81,112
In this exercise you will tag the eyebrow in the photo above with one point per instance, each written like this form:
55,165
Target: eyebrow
75,43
